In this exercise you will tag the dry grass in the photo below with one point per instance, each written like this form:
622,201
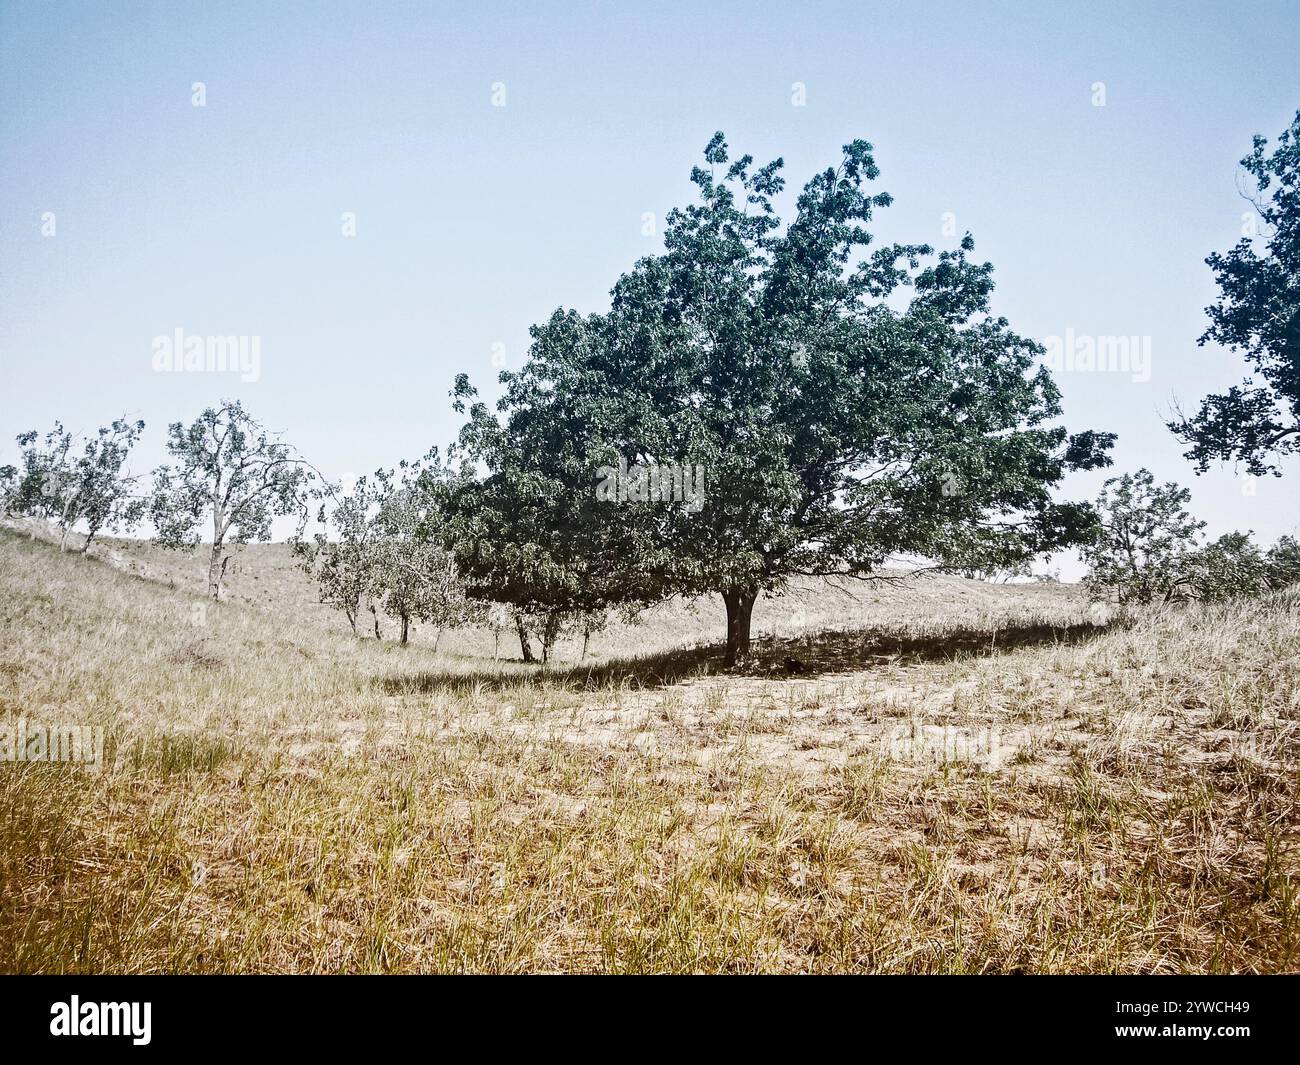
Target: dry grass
282,797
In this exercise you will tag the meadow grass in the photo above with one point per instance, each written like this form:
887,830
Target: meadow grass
280,796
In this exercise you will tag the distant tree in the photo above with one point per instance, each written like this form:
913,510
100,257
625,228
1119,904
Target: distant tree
549,626
404,565
837,427
591,624
105,491
343,554
67,487
420,582
380,545
416,574
996,574
38,486
228,469
1258,314
1230,567
1283,561
1145,539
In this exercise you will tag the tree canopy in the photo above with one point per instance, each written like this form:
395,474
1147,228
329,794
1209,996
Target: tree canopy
229,469
1258,314
1146,537
91,488
838,426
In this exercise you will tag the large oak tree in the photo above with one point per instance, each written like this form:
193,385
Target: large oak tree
840,424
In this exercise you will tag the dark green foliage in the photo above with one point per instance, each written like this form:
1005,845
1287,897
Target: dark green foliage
1229,567
1148,550
1146,537
836,430
1258,314
1284,563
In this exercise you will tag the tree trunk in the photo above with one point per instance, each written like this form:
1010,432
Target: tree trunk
586,639
375,614
406,628
66,523
550,629
216,568
523,640
740,608
91,532
438,639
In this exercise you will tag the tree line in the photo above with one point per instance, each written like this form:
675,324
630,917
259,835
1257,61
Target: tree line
847,404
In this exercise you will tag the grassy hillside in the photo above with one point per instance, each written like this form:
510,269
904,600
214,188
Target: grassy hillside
267,576
965,779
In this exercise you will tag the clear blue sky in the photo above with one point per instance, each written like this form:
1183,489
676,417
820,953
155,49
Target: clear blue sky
474,221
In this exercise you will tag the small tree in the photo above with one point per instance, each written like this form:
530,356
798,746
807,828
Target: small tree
105,491
1145,538
498,619
380,545
998,575
1258,314
230,469
550,625
419,582
417,574
92,488
1229,567
39,486
343,555
1284,563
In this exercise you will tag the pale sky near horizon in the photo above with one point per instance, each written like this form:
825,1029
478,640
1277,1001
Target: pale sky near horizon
474,221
